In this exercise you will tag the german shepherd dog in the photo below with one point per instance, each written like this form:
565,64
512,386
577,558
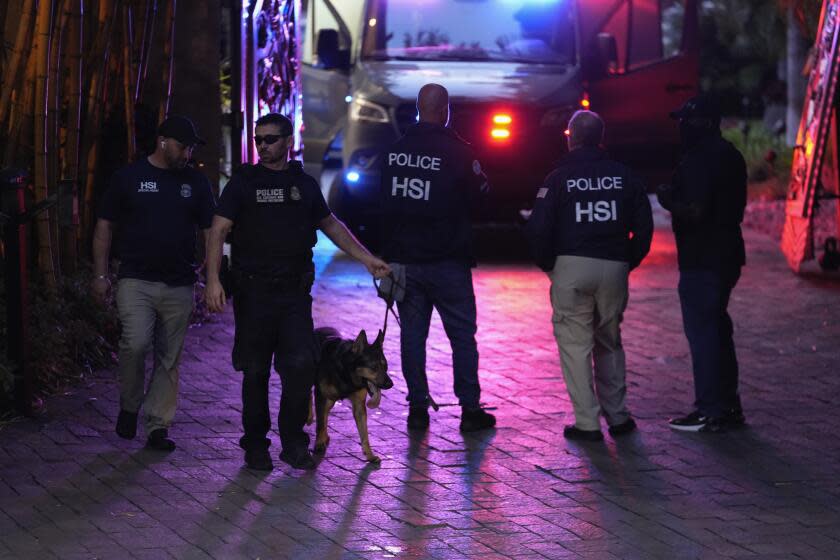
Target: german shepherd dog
348,369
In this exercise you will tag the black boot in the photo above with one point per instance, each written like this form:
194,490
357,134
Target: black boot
127,424
475,419
159,440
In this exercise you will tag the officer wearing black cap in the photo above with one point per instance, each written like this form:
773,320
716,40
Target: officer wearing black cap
156,204
590,227
430,181
706,198
274,210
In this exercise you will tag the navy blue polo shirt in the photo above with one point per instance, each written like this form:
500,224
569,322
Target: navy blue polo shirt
157,213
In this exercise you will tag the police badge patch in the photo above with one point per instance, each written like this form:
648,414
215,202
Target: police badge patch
294,193
476,167
186,190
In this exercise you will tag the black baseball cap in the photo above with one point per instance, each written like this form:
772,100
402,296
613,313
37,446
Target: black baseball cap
702,106
181,129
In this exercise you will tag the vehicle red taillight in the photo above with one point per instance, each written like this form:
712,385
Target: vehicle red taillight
501,126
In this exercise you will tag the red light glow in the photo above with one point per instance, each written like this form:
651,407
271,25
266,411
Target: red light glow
502,118
500,133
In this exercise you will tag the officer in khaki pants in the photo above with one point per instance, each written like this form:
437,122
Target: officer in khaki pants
157,205
591,225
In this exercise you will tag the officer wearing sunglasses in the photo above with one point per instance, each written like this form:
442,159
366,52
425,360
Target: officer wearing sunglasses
274,210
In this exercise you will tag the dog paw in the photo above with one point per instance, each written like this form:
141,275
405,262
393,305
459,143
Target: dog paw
373,459
321,448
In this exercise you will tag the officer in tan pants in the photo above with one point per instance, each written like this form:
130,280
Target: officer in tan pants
591,225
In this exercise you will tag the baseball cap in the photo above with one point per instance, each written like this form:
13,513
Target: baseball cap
702,106
181,129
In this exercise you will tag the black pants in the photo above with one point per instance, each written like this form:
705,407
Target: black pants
276,323
704,297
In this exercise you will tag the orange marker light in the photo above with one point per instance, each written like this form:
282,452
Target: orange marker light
501,118
584,103
500,133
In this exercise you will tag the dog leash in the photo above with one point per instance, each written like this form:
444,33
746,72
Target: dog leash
389,308
389,302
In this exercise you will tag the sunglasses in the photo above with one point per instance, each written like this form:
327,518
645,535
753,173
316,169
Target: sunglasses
268,139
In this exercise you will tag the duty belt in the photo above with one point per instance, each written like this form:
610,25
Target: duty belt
292,282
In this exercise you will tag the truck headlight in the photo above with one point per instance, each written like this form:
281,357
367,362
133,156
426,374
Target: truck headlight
363,110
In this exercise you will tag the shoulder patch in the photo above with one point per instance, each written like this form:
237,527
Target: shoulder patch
542,192
476,167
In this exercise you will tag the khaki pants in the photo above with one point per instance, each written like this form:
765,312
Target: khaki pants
151,314
588,297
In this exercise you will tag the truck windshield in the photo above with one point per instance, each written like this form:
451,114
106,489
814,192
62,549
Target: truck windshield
524,31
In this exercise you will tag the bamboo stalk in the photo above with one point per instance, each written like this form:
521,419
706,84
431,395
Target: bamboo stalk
42,53
53,130
128,87
169,57
75,44
146,48
95,107
23,115
17,62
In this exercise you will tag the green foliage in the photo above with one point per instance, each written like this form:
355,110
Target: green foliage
742,42
755,145
70,334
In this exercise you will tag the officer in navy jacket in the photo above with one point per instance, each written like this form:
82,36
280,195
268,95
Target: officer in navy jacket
706,198
431,181
590,226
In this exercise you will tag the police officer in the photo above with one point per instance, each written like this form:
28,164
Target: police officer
706,199
274,209
156,205
430,180
590,227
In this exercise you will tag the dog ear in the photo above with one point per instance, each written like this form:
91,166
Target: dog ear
380,338
360,343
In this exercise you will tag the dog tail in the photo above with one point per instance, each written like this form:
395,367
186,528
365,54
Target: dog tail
325,333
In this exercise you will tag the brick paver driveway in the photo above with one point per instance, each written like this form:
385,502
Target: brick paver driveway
69,488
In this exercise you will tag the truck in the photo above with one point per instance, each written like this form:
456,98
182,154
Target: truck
516,71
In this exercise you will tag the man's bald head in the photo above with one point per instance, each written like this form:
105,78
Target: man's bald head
433,104
585,129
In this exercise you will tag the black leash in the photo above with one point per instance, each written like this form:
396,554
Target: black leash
389,302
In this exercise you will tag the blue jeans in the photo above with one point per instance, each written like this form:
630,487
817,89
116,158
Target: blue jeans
704,297
445,286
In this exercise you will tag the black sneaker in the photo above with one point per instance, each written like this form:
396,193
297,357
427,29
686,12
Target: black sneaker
159,441
418,418
258,459
127,424
573,432
475,419
298,458
734,417
625,427
697,422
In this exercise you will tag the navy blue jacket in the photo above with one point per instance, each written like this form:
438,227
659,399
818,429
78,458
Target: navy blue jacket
430,183
590,206
707,201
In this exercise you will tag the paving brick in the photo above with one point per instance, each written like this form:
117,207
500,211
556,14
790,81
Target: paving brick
70,488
